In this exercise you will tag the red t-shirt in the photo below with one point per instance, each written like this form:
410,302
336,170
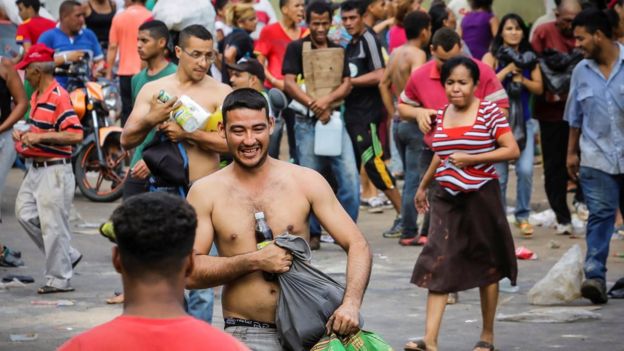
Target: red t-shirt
424,89
51,111
272,45
138,333
30,30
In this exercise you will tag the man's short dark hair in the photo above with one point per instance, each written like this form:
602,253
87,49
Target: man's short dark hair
451,64
481,4
35,4
193,31
67,7
244,98
415,22
350,5
594,20
445,38
283,3
319,8
156,29
154,232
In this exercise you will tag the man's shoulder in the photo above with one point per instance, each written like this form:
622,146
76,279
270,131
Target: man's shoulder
545,28
423,71
215,86
51,34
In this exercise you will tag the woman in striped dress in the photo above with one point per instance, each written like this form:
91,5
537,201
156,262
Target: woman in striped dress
470,243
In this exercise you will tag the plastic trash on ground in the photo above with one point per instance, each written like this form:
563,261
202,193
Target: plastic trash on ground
545,218
522,253
562,284
505,286
23,337
550,315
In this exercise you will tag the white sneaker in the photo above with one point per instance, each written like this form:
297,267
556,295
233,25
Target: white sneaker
564,229
375,205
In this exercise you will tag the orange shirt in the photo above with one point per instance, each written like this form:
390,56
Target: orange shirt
124,33
51,111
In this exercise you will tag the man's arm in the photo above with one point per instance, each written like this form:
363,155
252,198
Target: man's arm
60,138
369,79
573,114
145,115
110,60
16,89
385,84
212,271
341,227
294,91
277,83
208,141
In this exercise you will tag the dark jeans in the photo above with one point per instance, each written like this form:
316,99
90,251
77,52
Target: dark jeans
289,119
125,90
554,136
605,195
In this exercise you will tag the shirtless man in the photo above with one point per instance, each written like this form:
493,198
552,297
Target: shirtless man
196,55
287,194
403,61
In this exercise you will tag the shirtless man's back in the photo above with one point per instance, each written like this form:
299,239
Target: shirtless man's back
203,148
226,202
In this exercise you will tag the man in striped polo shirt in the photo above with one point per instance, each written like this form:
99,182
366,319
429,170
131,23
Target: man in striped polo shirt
46,194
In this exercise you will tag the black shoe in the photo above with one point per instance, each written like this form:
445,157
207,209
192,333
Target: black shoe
595,290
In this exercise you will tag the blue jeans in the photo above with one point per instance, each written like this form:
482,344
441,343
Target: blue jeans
524,173
7,158
604,195
409,140
343,167
199,303
396,163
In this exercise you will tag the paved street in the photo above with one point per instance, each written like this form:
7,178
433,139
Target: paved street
393,307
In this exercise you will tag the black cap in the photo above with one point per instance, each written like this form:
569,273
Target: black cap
249,65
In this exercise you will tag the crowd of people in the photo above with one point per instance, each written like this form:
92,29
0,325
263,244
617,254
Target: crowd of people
444,97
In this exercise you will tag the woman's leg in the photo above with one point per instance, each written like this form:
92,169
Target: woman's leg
436,303
489,300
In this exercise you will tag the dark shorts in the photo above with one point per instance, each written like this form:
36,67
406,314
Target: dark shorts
369,153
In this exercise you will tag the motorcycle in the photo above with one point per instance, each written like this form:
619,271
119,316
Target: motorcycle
100,164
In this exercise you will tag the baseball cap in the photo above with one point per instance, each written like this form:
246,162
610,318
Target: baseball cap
249,65
36,53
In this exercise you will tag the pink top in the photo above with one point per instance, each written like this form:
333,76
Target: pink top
396,37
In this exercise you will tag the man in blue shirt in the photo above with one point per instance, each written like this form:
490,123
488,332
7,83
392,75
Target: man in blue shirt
70,40
595,112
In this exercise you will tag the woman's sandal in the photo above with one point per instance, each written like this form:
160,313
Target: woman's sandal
484,345
416,345
47,289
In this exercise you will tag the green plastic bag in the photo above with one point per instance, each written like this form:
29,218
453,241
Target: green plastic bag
362,341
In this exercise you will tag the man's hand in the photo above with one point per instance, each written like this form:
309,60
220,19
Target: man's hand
345,320
572,164
420,201
274,259
160,112
423,117
17,135
30,139
74,56
140,170
325,116
173,131
319,106
461,160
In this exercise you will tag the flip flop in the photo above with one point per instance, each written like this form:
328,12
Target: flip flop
484,345
47,289
415,345
117,299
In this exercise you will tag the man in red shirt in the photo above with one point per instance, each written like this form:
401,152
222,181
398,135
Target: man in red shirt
154,255
46,194
423,95
549,109
270,49
29,31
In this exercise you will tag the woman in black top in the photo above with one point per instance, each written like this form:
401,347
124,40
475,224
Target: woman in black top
238,44
99,18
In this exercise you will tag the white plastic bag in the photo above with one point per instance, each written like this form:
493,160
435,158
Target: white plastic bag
562,284
178,15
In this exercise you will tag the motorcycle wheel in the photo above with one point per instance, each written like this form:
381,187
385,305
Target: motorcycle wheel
102,183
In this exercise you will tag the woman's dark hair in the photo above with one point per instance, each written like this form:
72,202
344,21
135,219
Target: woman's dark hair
244,98
318,7
481,4
414,23
438,13
498,41
451,64
594,20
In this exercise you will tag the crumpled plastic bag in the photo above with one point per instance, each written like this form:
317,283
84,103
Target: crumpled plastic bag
361,341
562,284
178,17
308,297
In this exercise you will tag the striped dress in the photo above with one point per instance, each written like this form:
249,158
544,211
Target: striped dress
476,139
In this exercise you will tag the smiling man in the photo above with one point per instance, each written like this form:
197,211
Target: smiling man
287,194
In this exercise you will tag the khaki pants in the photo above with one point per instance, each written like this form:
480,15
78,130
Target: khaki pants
42,208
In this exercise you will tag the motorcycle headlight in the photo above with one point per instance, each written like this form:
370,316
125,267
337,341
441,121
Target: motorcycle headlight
112,100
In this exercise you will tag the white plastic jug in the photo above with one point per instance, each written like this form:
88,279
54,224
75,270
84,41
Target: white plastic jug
328,137
190,115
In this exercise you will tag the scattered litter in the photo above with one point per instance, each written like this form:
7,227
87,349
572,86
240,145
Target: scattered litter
619,254
544,219
554,244
550,315
69,328
88,225
562,283
617,290
578,225
471,321
26,279
574,336
523,253
12,284
326,238
505,286
381,257
23,337
58,303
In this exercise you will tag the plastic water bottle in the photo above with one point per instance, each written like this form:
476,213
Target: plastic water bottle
264,236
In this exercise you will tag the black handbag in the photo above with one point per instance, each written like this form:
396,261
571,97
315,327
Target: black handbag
168,162
516,114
